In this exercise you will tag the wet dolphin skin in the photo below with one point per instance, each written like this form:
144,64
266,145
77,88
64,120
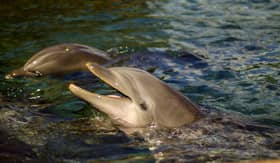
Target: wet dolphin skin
60,59
146,99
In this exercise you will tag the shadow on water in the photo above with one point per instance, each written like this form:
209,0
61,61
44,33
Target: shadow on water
12,149
222,54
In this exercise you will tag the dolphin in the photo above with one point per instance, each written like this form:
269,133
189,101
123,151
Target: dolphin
146,100
60,59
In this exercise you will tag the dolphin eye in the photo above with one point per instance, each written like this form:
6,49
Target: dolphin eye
143,106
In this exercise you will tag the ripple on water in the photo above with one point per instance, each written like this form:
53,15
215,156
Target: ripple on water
238,41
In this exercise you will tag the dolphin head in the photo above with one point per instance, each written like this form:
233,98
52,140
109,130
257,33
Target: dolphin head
124,110
146,99
61,59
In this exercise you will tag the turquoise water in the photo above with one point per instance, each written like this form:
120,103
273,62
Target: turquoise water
239,41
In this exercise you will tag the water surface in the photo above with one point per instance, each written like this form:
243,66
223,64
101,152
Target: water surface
239,42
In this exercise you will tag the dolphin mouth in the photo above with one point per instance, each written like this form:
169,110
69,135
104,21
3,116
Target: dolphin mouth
21,73
107,77
79,91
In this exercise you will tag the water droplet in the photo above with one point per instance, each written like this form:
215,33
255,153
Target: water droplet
158,142
67,49
152,148
38,73
35,97
9,76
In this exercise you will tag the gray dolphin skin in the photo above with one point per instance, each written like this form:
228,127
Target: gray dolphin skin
147,100
61,59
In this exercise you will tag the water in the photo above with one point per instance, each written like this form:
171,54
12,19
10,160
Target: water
238,40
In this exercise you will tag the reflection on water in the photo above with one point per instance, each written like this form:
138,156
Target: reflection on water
239,42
